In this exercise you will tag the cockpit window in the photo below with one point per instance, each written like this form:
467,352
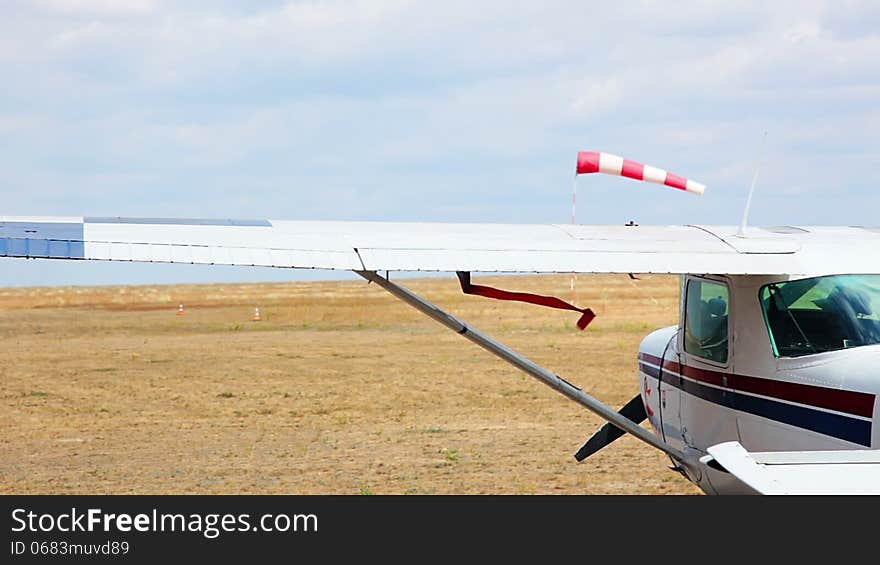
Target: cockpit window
705,330
820,314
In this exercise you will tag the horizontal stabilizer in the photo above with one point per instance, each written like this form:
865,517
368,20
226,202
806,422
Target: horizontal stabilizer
800,472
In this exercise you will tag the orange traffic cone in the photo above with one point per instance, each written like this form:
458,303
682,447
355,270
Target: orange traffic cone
180,310
257,317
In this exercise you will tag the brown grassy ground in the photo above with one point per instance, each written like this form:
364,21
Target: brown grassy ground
340,389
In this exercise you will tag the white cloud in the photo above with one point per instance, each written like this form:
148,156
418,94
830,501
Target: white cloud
803,31
594,97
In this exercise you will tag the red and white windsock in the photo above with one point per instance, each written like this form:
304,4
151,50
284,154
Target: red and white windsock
598,162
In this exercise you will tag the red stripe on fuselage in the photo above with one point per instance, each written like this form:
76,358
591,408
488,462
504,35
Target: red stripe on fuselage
847,401
650,358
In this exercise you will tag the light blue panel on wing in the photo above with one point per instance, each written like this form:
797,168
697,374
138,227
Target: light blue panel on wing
37,247
63,249
18,247
42,239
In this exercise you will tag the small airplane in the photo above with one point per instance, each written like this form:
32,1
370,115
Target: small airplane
768,384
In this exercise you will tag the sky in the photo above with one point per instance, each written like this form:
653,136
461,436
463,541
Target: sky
452,111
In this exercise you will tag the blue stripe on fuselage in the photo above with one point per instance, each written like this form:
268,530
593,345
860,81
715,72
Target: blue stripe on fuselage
649,370
834,425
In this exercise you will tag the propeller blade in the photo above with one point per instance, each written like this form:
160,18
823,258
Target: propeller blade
634,410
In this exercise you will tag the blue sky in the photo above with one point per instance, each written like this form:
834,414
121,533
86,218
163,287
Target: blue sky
430,111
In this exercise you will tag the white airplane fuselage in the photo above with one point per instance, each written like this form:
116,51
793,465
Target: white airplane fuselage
741,385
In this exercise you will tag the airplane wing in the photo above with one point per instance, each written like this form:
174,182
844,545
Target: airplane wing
381,246
802,472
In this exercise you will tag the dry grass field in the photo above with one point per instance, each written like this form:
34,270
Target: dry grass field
339,389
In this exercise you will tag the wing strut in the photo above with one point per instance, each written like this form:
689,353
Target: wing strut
522,363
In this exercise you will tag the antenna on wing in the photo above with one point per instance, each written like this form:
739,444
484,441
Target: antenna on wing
745,217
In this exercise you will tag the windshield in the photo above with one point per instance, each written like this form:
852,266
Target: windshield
822,313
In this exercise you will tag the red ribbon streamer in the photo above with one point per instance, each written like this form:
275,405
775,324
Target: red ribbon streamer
498,294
